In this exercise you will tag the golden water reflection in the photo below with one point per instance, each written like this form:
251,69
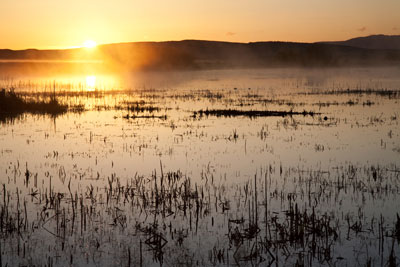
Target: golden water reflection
91,83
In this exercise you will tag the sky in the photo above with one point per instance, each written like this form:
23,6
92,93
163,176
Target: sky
54,24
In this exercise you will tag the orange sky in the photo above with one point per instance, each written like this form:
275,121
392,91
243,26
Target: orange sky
62,24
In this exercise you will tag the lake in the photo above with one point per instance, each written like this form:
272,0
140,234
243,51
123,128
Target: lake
254,167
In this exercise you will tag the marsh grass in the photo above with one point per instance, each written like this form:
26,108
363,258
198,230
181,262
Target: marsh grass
389,93
165,212
13,104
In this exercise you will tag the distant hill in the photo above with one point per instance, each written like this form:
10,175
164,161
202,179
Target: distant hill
372,42
196,54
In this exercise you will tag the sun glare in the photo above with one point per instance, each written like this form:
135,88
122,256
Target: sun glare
89,44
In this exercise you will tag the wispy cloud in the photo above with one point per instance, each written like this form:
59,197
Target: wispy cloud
230,33
395,28
362,29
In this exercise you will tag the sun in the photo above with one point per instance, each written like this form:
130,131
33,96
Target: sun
89,44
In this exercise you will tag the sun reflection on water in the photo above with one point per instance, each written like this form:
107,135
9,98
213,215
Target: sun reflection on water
91,83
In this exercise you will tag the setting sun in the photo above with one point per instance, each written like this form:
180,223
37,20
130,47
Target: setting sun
89,44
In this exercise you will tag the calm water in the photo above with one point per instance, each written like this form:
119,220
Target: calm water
95,186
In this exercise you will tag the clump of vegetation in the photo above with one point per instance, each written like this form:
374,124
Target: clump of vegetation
378,92
13,104
141,106
249,113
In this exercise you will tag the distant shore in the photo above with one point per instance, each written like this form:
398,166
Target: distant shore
197,54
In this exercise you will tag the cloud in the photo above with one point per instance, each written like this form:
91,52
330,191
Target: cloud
230,33
362,29
395,28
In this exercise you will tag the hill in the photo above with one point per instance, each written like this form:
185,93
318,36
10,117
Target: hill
372,42
196,54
